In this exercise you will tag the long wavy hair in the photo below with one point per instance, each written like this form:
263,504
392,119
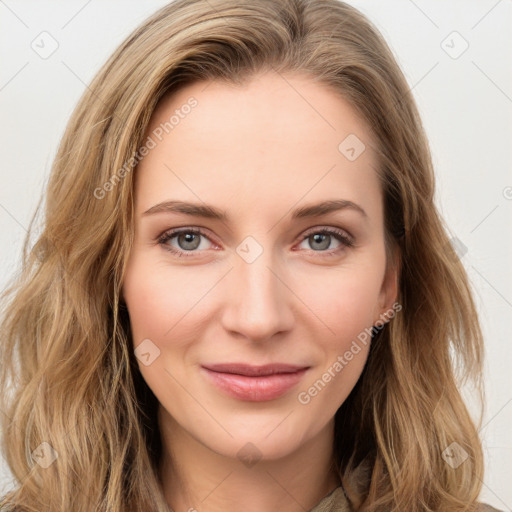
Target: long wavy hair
79,427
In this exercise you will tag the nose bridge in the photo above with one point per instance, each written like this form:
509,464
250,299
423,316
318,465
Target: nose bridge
258,303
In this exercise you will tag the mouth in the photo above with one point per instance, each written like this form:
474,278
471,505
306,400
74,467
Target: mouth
254,383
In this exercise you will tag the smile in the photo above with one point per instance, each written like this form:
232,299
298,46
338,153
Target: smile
254,384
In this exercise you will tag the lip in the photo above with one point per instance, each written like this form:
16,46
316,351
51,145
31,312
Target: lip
254,383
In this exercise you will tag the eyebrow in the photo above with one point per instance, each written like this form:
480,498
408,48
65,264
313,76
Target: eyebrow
210,212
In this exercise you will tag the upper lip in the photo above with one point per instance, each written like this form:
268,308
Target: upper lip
254,371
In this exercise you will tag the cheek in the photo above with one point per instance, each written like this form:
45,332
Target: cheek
160,305
345,307
162,302
149,309
343,300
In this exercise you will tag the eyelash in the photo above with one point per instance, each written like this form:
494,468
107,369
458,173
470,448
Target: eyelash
338,234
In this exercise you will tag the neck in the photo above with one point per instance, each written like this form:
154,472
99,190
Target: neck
195,478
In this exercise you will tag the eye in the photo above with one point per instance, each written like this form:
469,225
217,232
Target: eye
188,241
321,239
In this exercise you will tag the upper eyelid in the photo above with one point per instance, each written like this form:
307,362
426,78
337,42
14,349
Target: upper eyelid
169,233
327,228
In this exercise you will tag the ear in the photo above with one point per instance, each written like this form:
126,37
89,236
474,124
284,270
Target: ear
389,289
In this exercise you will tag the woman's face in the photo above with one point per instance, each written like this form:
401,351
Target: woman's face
262,285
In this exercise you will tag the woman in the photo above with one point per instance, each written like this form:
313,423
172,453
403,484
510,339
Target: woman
183,341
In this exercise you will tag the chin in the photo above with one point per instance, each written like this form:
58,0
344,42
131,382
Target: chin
269,439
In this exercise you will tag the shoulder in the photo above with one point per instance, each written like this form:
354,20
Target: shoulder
482,507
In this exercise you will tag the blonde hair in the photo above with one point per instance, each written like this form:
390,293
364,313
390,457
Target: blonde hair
69,376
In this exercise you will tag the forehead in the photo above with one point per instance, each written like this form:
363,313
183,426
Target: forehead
277,138
268,106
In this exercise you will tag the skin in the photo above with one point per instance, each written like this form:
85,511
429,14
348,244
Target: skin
257,152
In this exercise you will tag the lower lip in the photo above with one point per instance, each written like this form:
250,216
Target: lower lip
255,389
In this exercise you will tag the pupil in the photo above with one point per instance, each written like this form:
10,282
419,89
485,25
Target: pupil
320,237
189,239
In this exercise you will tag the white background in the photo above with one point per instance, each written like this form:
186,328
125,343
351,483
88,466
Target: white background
465,102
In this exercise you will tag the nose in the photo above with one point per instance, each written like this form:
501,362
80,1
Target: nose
258,301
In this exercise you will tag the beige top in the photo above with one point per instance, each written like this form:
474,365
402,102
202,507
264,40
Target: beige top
336,501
